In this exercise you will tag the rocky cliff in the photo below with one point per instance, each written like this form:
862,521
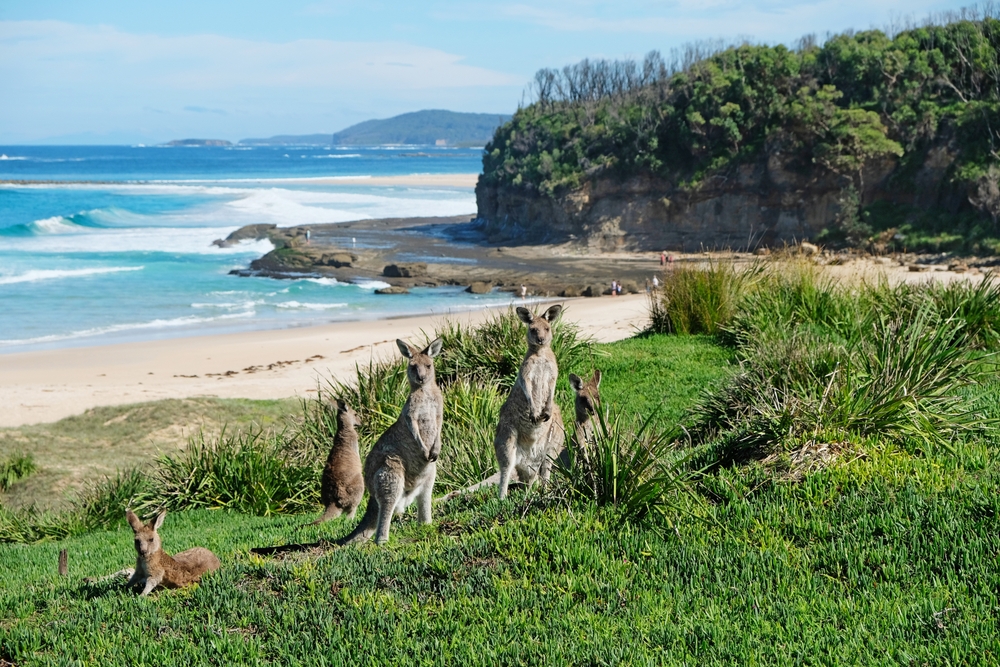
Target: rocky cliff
774,201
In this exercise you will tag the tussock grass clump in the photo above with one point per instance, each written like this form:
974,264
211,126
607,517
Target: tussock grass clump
493,351
866,360
16,467
631,465
700,299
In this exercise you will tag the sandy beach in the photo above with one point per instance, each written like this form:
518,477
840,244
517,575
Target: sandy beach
44,386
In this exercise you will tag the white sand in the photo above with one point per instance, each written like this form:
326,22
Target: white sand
45,386
411,180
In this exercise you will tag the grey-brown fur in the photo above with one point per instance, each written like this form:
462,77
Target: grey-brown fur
530,432
401,468
154,567
588,399
343,484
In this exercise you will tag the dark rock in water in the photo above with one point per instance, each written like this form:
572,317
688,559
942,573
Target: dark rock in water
337,260
392,289
479,288
245,233
404,270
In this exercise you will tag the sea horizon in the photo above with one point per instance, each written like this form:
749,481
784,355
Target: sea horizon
111,244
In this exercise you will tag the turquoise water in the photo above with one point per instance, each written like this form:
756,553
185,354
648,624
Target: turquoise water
114,243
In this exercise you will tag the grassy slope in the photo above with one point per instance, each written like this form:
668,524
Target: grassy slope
76,449
887,559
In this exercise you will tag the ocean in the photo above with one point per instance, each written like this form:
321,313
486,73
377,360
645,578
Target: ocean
103,244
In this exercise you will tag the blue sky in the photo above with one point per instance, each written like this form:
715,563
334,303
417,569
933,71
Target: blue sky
117,71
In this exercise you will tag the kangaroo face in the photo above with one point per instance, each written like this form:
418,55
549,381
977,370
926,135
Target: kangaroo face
420,369
539,328
346,416
147,540
588,396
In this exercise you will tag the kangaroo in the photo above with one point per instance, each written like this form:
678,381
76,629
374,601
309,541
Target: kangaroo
153,566
588,398
401,468
342,484
530,431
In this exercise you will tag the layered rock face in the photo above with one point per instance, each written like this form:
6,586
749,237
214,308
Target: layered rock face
767,203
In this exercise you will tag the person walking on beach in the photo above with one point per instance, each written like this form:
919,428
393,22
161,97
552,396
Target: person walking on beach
524,291
308,236
663,257
656,283
614,288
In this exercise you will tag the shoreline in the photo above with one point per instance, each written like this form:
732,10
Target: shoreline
47,385
427,180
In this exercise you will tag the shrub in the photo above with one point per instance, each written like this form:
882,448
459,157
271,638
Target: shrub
471,412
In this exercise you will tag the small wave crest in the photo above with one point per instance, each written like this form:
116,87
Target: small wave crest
371,284
36,275
310,306
133,326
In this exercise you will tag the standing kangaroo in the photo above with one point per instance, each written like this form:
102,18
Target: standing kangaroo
588,398
343,484
153,566
401,466
530,431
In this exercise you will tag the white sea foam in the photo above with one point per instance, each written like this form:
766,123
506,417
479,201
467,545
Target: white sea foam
11,157
179,240
36,275
134,326
236,305
321,157
321,281
310,306
371,284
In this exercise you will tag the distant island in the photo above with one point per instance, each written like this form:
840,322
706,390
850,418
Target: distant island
428,127
199,142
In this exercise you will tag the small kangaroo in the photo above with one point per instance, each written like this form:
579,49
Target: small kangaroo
343,485
530,431
588,398
401,468
153,566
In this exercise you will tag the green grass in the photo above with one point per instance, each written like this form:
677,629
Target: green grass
887,555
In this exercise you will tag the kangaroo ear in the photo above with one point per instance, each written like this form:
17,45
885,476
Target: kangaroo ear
525,315
552,314
133,520
158,521
575,382
404,349
597,377
434,349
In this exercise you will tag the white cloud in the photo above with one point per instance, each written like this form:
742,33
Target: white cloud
60,78
39,52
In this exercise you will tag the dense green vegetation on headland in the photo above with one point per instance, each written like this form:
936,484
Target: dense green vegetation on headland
909,125
833,499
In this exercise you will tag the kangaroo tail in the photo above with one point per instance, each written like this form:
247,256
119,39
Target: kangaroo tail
332,512
366,527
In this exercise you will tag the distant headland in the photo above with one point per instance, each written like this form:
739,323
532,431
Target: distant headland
199,142
428,127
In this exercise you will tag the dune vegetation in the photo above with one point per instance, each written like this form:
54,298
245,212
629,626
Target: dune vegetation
784,471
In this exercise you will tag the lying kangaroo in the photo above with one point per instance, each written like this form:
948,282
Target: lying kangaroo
530,431
588,398
343,484
401,466
153,566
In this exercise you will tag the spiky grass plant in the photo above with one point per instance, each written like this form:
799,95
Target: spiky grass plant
629,465
15,468
700,299
493,350
471,412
